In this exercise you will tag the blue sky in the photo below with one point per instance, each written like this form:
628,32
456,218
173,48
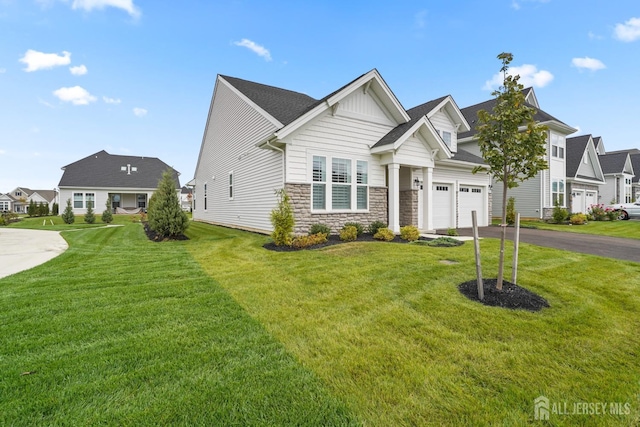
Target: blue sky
135,77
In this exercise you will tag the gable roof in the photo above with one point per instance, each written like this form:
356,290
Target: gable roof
48,195
613,163
576,148
635,164
540,116
104,170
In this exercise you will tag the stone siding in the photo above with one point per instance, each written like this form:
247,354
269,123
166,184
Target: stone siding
300,195
409,208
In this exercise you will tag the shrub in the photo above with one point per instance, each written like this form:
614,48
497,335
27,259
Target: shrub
349,233
282,219
55,209
302,242
89,216
444,242
320,228
409,233
511,211
166,216
452,232
560,214
375,226
578,219
68,216
385,234
612,214
357,225
107,216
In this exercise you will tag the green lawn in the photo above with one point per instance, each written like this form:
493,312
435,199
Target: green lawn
629,229
218,331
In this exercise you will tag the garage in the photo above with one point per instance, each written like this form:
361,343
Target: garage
591,199
471,198
443,206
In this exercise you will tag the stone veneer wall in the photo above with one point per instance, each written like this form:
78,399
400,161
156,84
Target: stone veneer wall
300,195
409,208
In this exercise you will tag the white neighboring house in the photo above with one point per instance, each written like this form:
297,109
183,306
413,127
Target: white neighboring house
354,155
536,197
186,196
129,181
619,174
584,174
19,199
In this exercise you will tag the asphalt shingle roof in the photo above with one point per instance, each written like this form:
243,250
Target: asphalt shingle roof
104,170
575,151
613,162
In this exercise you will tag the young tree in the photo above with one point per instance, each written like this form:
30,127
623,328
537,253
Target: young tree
282,219
55,210
68,216
107,216
31,209
165,216
89,216
511,142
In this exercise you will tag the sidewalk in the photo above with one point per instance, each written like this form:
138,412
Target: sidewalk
24,249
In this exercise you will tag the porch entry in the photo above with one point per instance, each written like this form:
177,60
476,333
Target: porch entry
128,202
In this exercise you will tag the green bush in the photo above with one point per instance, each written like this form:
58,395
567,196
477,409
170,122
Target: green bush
375,226
55,209
578,219
320,228
612,214
68,216
384,234
166,216
282,220
357,225
349,233
444,242
409,233
560,214
107,216
511,210
302,242
452,232
89,216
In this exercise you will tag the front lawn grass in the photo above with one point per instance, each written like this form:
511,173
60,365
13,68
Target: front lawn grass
119,330
384,326
55,223
629,229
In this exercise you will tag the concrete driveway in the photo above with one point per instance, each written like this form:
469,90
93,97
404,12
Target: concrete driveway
611,247
24,249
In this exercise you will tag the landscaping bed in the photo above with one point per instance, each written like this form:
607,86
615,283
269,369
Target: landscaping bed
334,239
511,296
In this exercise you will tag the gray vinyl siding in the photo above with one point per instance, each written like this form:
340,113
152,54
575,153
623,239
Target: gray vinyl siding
527,196
234,127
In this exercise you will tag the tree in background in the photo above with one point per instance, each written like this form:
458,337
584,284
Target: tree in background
511,142
55,209
107,216
31,209
165,215
89,216
68,216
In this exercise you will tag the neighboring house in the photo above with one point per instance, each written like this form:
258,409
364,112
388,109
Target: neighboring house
186,197
19,199
536,197
354,155
618,172
584,173
128,181
634,157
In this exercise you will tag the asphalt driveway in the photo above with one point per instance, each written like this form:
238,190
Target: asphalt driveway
611,247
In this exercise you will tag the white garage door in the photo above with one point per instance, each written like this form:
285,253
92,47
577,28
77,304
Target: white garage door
471,198
442,206
577,204
591,199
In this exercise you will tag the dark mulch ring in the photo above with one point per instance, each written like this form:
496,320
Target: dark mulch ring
334,239
155,237
511,296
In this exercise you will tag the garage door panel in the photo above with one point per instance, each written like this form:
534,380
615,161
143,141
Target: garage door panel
471,198
442,205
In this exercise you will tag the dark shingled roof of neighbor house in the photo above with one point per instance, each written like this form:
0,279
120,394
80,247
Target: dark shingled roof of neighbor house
104,170
575,151
613,162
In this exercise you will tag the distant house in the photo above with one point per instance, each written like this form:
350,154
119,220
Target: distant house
128,181
584,173
354,155
19,199
186,198
619,173
536,197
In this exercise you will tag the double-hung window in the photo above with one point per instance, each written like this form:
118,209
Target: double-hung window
142,200
557,192
90,199
341,183
362,181
230,185
319,187
205,197
77,200
557,146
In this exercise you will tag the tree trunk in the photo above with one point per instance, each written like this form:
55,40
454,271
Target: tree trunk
503,233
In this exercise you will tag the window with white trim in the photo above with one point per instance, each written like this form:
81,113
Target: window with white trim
557,192
557,146
319,187
230,185
205,196
90,199
4,206
446,137
341,183
362,181
142,200
77,200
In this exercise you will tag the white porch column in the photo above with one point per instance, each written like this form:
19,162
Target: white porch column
427,198
394,197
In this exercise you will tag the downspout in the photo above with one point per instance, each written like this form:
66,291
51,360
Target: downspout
268,144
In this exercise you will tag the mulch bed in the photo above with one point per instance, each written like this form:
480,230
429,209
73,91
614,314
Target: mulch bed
511,296
155,237
334,239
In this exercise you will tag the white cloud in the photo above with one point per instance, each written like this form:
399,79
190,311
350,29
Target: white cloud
517,5
140,112
256,48
588,63
594,36
79,70
529,76
41,61
89,5
76,95
629,31
111,100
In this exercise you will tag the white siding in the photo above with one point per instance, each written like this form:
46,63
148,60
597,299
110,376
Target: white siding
461,176
129,198
442,122
413,152
472,147
233,129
